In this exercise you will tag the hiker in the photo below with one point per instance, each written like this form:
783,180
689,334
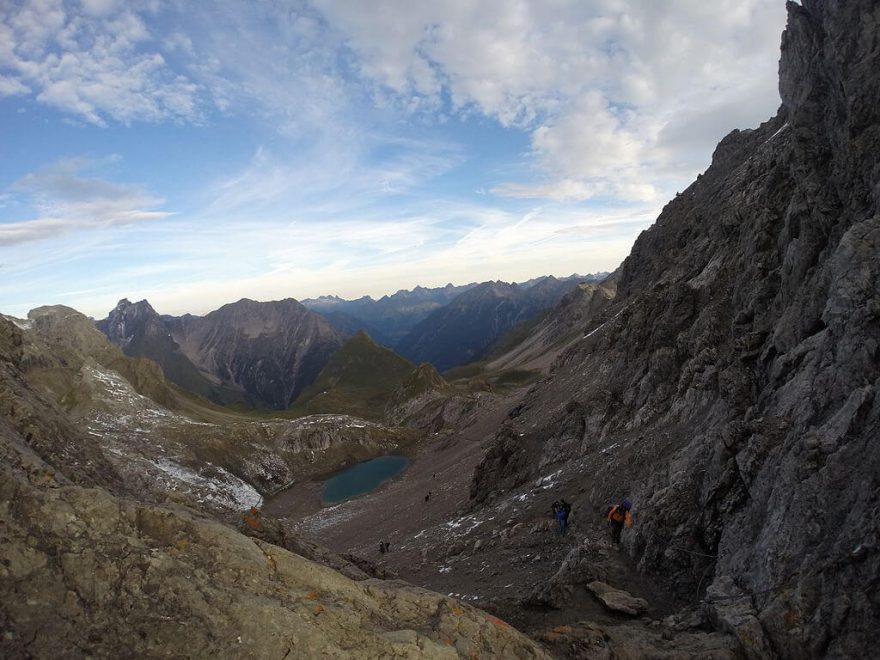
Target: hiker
384,546
252,518
561,509
565,507
428,496
618,515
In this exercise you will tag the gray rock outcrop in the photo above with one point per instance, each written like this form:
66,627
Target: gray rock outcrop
732,387
617,599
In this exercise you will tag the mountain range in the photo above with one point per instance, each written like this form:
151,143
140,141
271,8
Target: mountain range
725,380
461,331
265,354
388,319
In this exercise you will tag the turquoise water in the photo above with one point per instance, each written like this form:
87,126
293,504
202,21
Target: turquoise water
362,478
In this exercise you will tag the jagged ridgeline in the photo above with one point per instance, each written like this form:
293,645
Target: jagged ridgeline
731,386
252,354
462,331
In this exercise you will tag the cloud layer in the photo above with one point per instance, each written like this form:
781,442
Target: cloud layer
617,95
355,147
91,59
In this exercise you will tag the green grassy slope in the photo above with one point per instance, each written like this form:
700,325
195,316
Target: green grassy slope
358,380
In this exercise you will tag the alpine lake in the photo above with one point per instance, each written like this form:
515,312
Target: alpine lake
362,478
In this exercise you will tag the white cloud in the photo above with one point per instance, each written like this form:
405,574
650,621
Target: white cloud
608,88
11,87
619,101
92,60
66,201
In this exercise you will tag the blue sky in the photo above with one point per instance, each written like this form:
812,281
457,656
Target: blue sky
196,153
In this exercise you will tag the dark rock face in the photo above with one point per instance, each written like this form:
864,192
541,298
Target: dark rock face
731,387
262,353
271,350
141,332
462,330
129,322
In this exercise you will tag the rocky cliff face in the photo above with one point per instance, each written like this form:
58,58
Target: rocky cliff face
38,433
731,387
141,332
271,350
586,302
263,353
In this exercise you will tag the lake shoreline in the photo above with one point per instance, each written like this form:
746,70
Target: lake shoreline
304,498
362,478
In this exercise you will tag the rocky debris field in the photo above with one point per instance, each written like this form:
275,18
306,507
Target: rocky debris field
507,557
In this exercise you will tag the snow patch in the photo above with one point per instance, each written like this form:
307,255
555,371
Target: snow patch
223,489
781,128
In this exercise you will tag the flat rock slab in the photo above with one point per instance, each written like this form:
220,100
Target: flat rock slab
618,600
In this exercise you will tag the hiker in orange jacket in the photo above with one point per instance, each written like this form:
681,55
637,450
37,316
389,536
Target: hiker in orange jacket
618,515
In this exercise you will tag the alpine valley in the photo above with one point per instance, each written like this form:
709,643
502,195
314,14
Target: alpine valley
161,476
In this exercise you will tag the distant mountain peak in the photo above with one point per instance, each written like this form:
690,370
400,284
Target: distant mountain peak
142,307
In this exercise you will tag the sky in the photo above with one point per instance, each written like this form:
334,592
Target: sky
194,153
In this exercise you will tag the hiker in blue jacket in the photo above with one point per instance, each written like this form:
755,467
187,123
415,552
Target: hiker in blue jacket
561,509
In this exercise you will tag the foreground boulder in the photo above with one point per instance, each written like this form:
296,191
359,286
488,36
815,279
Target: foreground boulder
617,599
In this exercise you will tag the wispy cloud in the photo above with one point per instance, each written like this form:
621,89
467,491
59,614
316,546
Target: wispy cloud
65,201
331,178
